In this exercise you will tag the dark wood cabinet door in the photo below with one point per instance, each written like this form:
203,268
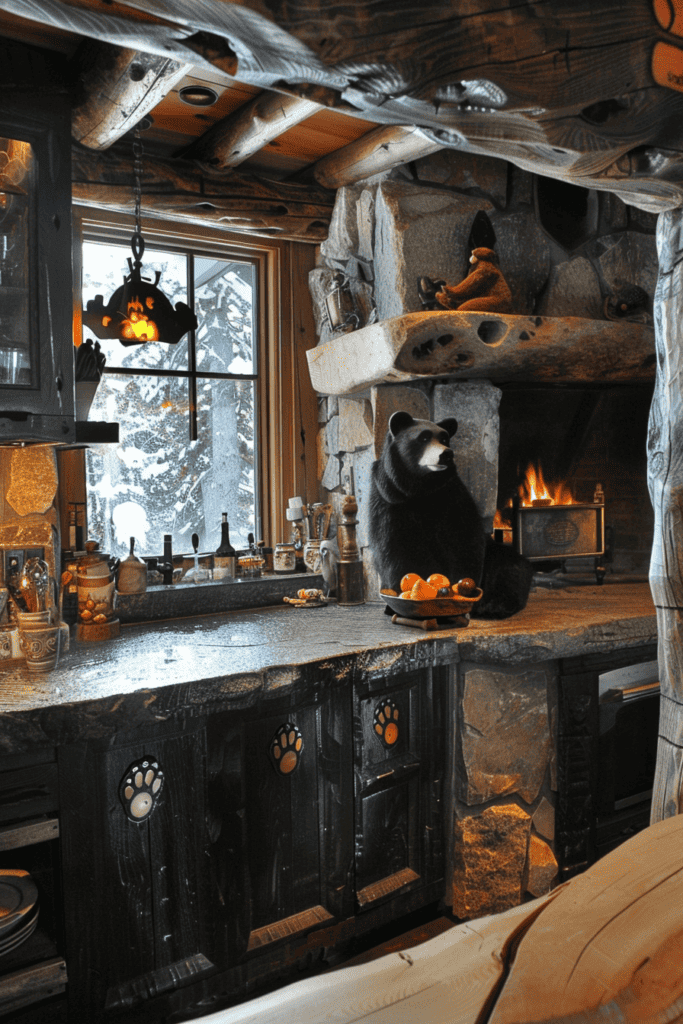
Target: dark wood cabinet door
280,819
132,856
399,770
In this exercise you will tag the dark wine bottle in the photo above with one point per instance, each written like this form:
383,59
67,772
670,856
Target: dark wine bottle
224,558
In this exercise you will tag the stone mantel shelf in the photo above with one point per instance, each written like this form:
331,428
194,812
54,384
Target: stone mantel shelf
493,346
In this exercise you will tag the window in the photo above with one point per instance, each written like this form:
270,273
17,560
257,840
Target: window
188,414
224,421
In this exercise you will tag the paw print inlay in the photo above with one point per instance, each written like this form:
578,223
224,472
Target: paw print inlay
140,789
385,722
286,748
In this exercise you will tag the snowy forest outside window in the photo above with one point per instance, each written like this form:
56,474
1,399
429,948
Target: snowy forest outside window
187,413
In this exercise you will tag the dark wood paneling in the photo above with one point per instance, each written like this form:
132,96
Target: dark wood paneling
28,792
336,802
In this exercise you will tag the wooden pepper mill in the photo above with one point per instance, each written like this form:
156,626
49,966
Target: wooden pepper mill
350,567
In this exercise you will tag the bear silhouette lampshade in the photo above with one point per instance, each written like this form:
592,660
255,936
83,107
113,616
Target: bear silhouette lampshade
138,311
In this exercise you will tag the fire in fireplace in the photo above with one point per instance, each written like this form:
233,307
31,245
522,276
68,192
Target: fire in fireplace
547,525
584,494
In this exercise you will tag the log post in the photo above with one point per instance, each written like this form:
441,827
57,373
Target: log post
665,476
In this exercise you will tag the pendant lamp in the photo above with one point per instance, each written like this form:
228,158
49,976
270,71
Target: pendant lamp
138,312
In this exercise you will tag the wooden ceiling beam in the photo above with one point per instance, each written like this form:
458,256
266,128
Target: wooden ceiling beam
117,88
186,191
243,133
378,150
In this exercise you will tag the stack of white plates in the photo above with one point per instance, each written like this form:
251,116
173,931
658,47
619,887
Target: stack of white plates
18,908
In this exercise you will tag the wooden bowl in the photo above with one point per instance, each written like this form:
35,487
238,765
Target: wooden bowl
437,607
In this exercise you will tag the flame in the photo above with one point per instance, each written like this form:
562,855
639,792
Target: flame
137,325
534,490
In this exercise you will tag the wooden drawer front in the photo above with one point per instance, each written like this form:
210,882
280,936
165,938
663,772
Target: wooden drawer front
28,792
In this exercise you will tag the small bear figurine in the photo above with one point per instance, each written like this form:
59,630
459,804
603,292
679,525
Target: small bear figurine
484,290
424,520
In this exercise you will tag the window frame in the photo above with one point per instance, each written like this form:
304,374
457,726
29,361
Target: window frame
285,407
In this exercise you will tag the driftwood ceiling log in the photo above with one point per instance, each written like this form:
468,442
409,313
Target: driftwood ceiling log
184,191
234,139
117,88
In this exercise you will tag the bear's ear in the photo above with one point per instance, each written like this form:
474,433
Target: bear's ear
400,421
485,254
450,426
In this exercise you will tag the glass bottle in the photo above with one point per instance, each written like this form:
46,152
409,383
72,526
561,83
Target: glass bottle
224,558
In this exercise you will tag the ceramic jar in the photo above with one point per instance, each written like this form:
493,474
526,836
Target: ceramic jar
312,556
132,574
96,588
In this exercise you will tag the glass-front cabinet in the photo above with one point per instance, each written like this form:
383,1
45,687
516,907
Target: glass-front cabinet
36,345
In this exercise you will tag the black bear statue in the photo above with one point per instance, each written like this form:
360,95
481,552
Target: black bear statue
423,519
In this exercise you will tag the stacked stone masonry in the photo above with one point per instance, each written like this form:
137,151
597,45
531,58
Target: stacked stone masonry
390,230
504,786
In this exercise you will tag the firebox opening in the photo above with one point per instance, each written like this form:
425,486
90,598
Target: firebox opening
584,441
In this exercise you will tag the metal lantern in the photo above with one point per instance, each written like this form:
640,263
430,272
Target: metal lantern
138,311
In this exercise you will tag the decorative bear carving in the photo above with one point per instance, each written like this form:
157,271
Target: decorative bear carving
484,290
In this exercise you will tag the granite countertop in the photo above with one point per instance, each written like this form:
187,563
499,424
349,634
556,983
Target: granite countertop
155,671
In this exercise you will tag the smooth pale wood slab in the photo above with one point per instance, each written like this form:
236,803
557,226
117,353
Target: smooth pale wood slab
447,979
486,345
609,947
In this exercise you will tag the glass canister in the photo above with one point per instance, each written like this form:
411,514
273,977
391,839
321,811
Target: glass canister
284,558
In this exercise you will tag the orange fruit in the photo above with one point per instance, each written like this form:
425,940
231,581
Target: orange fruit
408,595
409,581
423,591
389,593
438,580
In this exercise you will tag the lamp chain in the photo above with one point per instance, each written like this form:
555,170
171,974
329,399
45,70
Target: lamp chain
137,243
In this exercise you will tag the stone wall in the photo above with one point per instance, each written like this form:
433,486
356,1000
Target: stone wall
504,787
564,251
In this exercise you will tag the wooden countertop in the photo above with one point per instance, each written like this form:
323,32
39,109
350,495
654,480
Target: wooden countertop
155,671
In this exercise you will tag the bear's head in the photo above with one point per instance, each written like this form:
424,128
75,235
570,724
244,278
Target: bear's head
417,453
482,255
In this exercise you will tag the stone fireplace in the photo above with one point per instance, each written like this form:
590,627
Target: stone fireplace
573,393
565,383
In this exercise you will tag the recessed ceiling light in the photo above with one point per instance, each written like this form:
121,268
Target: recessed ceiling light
198,95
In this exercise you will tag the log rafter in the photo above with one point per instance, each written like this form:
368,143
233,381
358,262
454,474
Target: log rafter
187,191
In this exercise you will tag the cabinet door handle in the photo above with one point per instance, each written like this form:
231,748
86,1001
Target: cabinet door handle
385,775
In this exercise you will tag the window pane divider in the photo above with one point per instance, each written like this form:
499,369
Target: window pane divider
149,371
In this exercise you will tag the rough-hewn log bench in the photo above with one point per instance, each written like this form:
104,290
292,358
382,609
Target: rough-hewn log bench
606,946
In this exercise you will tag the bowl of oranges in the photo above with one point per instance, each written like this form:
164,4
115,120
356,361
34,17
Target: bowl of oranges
436,596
